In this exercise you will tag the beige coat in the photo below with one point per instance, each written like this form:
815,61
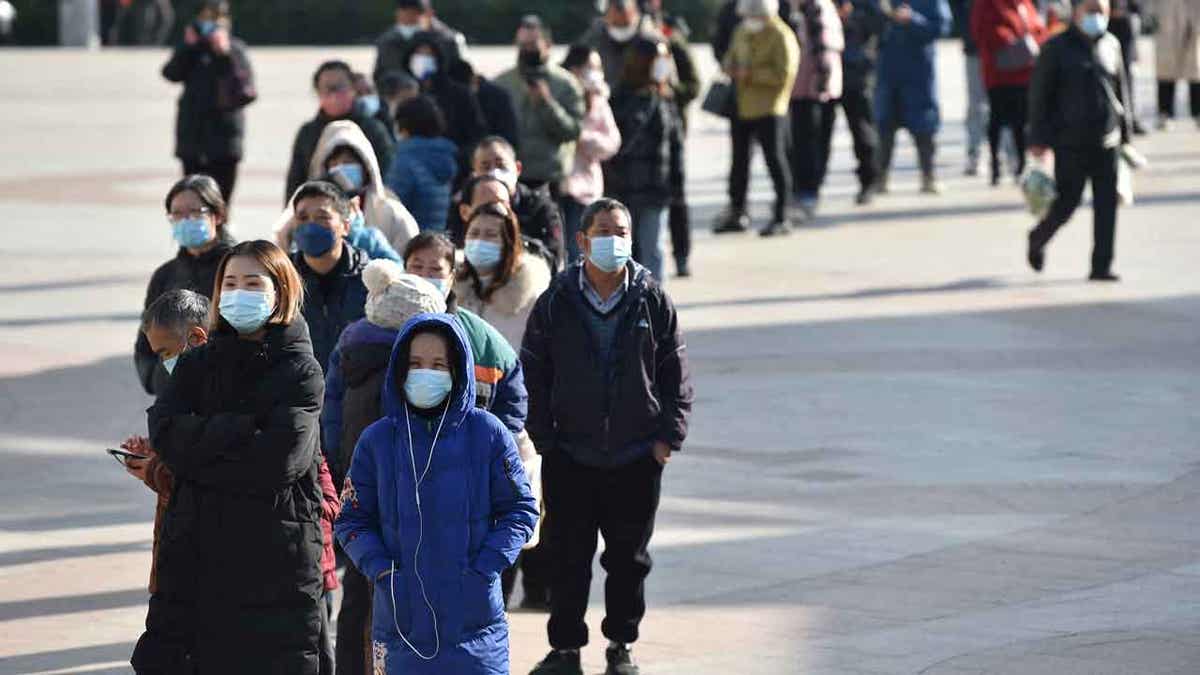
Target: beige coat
381,208
509,307
1177,45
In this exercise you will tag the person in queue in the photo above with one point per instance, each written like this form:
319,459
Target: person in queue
334,85
428,63
211,122
609,402
237,426
422,173
412,18
499,281
198,216
813,109
435,506
611,34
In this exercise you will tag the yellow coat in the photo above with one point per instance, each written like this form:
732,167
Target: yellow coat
773,57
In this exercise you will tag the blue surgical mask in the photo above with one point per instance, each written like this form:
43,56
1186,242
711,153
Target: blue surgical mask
351,176
246,311
423,66
441,284
1094,24
407,31
611,253
314,240
483,254
206,28
426,389
192,232
368,105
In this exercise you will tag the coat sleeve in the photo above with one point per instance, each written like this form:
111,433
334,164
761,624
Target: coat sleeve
602,141
687,84
331,413
400,180
675,169
378,247
358,526
672,378
514,511
511,400
1042,98
182,61
539,374
258,453
331,502
929,27
562,120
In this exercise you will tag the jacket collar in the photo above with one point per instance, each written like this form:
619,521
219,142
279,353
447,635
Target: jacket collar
212,255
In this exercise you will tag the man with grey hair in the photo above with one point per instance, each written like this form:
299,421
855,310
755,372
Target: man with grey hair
609,401
174,323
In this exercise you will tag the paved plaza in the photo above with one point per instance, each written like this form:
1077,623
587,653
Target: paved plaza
909,453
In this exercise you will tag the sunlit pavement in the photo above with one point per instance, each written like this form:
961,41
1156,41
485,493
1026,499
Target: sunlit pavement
909,453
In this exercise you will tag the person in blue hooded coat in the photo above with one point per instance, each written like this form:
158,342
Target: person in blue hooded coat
436,505
425,164
906,86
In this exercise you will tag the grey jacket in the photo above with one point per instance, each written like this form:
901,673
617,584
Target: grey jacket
547,129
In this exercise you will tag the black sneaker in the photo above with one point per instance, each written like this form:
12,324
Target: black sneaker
779,228
620,661
559,663
1036,256
865,196
1104,276
682,270
732,222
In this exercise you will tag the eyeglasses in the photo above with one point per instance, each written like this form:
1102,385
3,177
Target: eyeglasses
176,216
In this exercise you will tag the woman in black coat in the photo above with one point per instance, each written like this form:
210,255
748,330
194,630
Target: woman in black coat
239,577
217,84
197,214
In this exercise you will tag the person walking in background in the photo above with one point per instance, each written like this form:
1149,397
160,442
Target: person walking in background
334,84
862,23
142,23
550,108
428,63
611,35
603,454
426,163
646,171
499,281
1177,56
1078,110
1125,23
344,157
198,217
762,60
906,91
218,83
814,98
439,522
499,113
978,109
599,140
237,426
413,17
1009,34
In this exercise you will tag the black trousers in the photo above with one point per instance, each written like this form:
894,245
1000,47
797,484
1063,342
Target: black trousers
1122,29
224,171
1166,98
620,504
812,138
326,655
1073,168
860,117
771,133
353,648
1009,106
534,565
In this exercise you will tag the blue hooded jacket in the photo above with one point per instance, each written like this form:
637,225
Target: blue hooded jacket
906,90
421,174
474,513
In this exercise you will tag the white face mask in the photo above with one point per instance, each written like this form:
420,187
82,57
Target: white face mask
663,67
755,24
422,66
407,31
622,33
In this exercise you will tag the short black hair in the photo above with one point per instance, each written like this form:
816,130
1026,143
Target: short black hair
423,5
468,189
577,55
338,65
395,81
421,116
178,310
321,188
605,205
494,139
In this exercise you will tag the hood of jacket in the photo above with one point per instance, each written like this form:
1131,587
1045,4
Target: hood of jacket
439,155
528,282
435,42
462,397
342,134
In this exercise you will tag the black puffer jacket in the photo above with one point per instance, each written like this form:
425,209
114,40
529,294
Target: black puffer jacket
333,301
536,211
202,130
577,405
239,576
1078,96
649,167
183,272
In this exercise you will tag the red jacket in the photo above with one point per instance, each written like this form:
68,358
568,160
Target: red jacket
996,24
330,508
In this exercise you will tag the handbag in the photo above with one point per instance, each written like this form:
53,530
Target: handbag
721,100
1022,53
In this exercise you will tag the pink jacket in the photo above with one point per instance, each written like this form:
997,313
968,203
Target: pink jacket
599,140
821,46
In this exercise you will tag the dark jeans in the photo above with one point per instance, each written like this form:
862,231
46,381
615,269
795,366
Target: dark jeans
812,137
223,171
354,625
926,145
1010,108
860,117
771,134
1073,168
681,230
1166,98
620,504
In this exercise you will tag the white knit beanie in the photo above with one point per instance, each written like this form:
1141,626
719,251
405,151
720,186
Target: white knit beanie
394,297
760,8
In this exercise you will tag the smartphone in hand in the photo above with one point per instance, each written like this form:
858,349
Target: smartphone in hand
125,457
